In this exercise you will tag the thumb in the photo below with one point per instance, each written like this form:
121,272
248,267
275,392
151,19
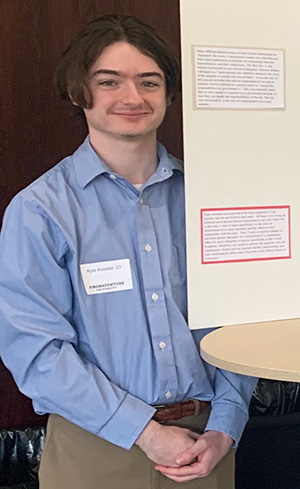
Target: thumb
189,455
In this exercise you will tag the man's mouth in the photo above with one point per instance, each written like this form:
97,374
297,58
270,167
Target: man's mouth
131,114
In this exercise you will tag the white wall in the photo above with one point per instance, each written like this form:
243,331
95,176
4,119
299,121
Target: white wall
236,158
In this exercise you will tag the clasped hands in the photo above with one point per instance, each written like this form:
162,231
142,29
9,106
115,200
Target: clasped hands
181,454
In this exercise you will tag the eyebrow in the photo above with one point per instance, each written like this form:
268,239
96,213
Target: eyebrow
149,73
118,73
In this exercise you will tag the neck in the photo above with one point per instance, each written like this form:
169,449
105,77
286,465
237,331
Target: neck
135,160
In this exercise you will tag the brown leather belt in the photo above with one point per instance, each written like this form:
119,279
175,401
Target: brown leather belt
179,410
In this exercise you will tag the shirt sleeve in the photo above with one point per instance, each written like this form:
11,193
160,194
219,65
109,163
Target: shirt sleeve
39,342
232,394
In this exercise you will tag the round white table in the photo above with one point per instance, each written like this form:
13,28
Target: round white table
270,350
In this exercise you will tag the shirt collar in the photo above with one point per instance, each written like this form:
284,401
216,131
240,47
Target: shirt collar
88,165
166,162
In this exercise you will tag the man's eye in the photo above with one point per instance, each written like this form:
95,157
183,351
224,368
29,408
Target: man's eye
107,83
149,84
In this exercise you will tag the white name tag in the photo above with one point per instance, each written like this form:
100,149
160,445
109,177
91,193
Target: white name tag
106,276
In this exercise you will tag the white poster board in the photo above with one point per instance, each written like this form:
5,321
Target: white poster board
241,112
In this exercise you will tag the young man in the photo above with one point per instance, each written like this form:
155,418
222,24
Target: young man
93,288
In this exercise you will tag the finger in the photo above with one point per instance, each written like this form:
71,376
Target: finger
192,453
187,470
194,435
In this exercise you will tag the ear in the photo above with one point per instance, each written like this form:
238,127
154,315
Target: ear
72,100
168,100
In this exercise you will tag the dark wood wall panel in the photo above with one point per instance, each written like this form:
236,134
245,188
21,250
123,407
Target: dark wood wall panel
36,130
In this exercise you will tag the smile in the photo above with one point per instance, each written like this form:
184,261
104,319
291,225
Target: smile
131,114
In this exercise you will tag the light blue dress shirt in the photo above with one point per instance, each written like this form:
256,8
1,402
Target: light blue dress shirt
103,360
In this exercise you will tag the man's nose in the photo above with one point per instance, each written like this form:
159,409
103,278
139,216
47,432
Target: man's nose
131,94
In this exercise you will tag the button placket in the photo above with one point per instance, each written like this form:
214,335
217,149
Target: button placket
155,301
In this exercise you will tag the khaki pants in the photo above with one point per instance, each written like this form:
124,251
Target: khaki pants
73,458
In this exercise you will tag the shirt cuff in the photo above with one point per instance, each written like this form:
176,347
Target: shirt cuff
125,426
228,419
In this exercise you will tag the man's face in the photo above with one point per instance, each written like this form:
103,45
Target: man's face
128,94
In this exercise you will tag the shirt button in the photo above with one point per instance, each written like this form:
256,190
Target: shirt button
154,297
168,395
113,177
141,201
148,248
162,345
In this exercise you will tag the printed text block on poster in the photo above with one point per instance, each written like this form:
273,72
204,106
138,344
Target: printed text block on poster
245,234
239,78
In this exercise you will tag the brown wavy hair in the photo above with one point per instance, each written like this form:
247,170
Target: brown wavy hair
71,76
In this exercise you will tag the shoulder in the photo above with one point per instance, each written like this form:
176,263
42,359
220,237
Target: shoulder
42,204
51,189
52,181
